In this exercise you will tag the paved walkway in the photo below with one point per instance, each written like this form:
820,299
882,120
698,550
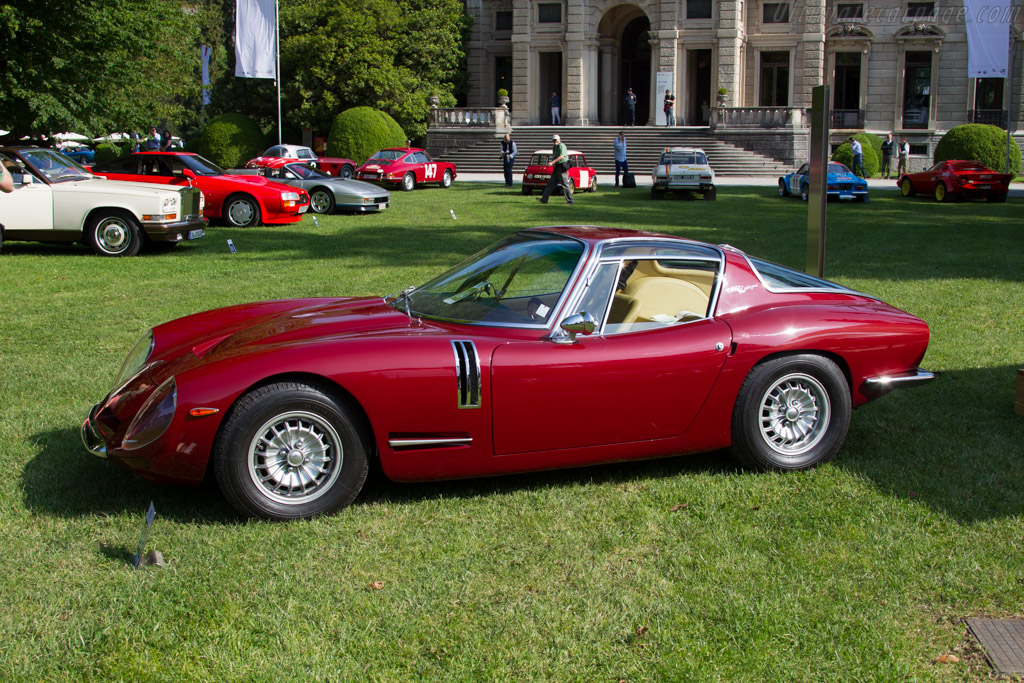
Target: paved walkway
644,180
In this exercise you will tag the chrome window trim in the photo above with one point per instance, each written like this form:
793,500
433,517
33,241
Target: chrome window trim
838,289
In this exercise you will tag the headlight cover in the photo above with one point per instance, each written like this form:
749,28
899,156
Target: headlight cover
154,418
290,196
170,205
137,358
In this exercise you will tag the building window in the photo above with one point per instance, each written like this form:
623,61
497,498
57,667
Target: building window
917,84
920,10
503,74
775,13
503,21
849,11
549,13
698,9
846,91
774,79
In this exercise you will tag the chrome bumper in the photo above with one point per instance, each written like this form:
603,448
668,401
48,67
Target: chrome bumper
903,380
92,441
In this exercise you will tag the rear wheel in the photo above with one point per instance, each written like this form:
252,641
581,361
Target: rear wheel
446,179
289,451
527,190
409,182
656,193
114,233
783,191
791,413
995,198
241,211
346,172
907,188
711,195
805,192
321,200
940,193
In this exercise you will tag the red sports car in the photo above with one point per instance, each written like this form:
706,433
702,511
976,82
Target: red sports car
956,180
406,167
279,155
241,201
555,347
536,175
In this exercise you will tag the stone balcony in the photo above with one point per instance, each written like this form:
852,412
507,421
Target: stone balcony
461,118
746,118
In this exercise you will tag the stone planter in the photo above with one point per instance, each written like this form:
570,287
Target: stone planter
722,99
434,100
503,100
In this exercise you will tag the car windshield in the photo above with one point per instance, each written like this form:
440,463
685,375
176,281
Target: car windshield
683,158
540,160
201,166
518,281
55,166
837,168
304,171
386,156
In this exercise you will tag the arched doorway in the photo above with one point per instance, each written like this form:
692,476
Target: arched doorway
624,62
636,65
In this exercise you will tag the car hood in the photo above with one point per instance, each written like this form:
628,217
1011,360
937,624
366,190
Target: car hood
354,186
121,187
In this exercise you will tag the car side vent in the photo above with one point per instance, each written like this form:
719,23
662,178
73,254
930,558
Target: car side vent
467,369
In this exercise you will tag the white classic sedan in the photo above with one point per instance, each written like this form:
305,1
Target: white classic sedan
685,169
56,200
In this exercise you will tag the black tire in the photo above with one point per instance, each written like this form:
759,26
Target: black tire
276,456
907,188
711,195
321,200
995,198
657,194
446,179
241,211
527,190
805,192
112,232
783,190
817,397
409,182
346,172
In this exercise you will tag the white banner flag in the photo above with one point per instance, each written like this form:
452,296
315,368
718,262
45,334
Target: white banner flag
255,24
988,37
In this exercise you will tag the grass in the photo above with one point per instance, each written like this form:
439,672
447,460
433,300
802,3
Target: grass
678,569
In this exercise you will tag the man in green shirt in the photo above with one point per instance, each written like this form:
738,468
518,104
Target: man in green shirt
559,171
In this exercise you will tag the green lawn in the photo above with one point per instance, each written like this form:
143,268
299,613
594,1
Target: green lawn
679,569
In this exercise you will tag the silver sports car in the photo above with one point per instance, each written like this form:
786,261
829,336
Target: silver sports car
327,194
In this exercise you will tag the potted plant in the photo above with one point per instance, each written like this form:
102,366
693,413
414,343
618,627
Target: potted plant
434,100
722,95
503,97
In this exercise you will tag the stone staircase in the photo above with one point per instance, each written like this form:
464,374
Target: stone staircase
645,145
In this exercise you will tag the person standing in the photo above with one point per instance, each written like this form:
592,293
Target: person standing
620,156
630,101
887,150
858,156
670,108
556,108
153,141
559,172
165,140
904,165
509,150
6,181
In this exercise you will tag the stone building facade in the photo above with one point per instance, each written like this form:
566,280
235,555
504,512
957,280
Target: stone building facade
894,65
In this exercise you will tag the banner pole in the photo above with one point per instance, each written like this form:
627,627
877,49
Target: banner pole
277,55
1009,100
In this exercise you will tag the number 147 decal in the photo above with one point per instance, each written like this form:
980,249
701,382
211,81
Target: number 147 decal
430,170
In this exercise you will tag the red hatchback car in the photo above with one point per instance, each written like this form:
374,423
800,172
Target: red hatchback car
241,201
555,347
955,180
536,175
406,167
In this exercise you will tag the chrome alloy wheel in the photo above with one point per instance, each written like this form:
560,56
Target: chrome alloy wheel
320,201
113,234
295,457
794,414
241,212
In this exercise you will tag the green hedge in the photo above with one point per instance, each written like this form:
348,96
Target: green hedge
105,151
979,142
844,154
230,140
359,132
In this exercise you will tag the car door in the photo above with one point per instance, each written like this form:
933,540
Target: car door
29,206
797,178
426,166
157,169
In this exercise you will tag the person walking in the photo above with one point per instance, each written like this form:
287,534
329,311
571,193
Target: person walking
620,156
556,108
858,156
559,172
904,165
670,108
887,149
509,150
630,101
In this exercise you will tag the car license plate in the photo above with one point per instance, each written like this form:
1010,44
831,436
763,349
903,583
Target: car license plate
196,234
983,187
541,177
302,209
381,207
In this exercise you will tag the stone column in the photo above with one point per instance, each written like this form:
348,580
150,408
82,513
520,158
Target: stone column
665,58
812,70
731,34
574,99
610,96
525,100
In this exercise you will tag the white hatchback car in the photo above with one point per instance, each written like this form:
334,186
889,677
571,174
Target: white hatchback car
56,200
685,169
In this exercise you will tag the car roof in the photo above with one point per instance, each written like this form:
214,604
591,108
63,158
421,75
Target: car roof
548,151
290,148
403,149
158,153
600,233
685,149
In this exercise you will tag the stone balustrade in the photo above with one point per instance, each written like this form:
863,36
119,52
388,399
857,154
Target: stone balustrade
494,118
759,117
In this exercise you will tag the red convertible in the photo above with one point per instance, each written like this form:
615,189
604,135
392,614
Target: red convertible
956,180
406,167
555,347
241,201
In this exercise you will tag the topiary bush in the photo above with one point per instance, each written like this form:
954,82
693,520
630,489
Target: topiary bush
105,151
979,142
230,140
844,154
359,132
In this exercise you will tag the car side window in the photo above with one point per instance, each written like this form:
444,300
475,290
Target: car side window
804,170
305,154
655,293
123,165
420,158
176,164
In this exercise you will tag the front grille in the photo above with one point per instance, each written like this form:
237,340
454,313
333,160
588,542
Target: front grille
190,201
467,370
380,200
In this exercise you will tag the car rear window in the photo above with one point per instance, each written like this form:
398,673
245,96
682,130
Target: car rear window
780,277
683,158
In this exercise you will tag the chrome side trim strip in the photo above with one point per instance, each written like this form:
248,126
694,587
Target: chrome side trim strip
413,443
467,372
903,380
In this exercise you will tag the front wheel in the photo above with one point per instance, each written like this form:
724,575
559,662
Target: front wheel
446,179
783,192
791,413
346,172
409,182
593,184
114,233
527,190
321,200
289,451
907,188
242,211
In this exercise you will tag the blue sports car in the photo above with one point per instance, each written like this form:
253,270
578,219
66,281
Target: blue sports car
841,183
82,155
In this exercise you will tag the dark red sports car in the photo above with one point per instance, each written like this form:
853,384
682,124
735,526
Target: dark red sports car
955,180
556,347
240,200
279,155
406,167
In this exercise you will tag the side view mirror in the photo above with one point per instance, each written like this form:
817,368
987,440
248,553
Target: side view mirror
578,323
188,173
21,178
